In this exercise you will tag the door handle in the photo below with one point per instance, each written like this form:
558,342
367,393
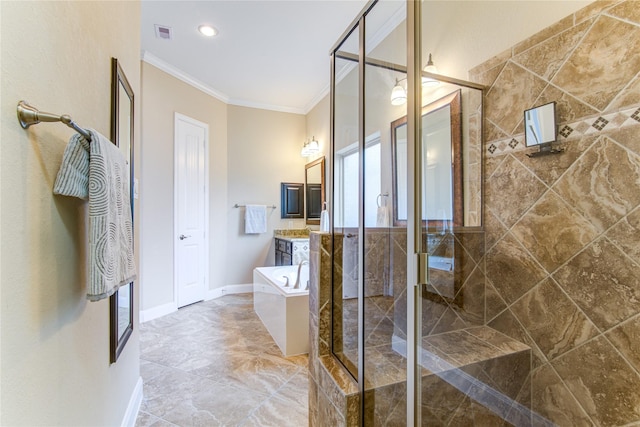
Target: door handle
182,236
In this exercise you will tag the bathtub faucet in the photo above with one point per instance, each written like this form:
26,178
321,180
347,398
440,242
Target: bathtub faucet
297,284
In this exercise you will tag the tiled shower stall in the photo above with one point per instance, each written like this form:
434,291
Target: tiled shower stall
545,307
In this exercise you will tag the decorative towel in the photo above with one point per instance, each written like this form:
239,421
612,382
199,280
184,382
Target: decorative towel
255,219
97,171
324,221
382,217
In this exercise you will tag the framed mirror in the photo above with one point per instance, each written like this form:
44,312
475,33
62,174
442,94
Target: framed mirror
442,155
291,200
121,302
314,190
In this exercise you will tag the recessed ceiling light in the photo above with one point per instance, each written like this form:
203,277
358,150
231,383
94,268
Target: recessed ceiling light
207,30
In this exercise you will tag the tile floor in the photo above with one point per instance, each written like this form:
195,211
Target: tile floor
214,364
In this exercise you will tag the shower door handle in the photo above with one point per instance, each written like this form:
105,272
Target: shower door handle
423,268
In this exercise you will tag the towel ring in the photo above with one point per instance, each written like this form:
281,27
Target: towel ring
379,197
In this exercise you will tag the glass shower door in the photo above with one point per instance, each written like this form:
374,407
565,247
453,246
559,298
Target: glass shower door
384,297
465,372
345,309
408,299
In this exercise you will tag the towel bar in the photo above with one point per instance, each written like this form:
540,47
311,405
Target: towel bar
244,206
29,115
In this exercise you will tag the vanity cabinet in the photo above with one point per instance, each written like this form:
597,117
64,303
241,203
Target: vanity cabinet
291,251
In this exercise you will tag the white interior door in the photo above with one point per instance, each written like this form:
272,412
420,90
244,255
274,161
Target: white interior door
191,204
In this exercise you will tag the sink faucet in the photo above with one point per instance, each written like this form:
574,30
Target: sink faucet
297,284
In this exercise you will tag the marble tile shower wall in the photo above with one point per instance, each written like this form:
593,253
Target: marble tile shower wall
386,273
376,256
472,159
333,394
563,231
456,300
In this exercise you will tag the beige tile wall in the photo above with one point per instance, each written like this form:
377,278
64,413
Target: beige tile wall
563,231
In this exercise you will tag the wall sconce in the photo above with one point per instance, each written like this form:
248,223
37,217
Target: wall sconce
399,93
310,148
430,68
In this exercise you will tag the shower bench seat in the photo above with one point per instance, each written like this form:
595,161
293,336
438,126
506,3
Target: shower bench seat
477,372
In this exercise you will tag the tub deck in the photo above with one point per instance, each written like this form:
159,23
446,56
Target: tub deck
284,311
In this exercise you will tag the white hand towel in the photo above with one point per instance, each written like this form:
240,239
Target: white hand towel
382,217
324,221
255,219
98,171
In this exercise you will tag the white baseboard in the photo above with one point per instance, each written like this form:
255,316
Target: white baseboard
133,408
163,310
229,289
159,311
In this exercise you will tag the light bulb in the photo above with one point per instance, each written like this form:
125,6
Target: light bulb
313,147
430,68
207,30
398,94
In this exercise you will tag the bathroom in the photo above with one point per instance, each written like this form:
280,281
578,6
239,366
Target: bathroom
47,323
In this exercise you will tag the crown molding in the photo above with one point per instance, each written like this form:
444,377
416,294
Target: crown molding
151,59
316,99
279,108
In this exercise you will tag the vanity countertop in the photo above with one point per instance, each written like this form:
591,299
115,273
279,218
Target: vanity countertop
292,235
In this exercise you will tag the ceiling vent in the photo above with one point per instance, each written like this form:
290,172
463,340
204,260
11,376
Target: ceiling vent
163,32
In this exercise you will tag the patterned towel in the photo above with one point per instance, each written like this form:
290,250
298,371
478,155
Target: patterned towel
98,172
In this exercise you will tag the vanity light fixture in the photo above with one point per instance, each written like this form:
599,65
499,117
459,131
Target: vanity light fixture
310,148
430,68
207,30
399,93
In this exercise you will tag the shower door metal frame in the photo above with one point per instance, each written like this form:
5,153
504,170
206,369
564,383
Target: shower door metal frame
414,115
414,205
417,258
359,23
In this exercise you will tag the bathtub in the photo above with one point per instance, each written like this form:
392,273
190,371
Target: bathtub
284,311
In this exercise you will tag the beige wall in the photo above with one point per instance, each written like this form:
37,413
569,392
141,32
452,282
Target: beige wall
483,29
264,150
251,152
318,125
163,96
55,344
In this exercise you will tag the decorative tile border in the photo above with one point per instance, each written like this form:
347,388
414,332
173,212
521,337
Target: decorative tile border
586,126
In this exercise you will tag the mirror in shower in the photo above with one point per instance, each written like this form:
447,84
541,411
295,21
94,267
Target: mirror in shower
540,125
442,155
451,151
